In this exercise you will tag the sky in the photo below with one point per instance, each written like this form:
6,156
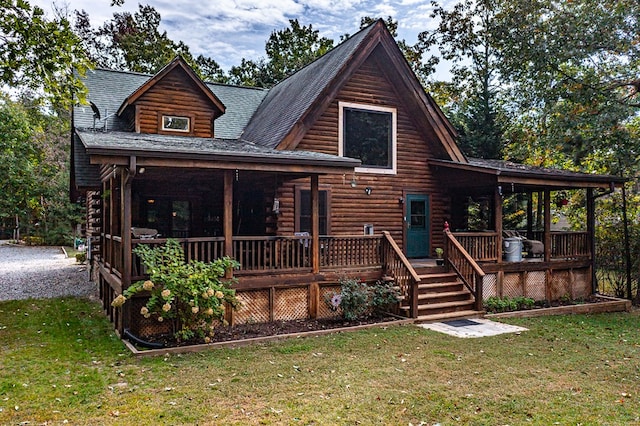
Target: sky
229,30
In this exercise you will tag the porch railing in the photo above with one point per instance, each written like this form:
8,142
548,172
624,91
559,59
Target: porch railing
113,254
263,253
482,246
205,249
350,251
570,245
396,266
464,265
272,253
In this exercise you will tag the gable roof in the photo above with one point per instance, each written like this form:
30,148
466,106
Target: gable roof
107,89
177,63
292,106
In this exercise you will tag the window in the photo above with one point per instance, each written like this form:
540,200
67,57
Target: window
303,210
176,124
369,134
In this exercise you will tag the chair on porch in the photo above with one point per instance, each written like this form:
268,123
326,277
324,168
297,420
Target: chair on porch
532,247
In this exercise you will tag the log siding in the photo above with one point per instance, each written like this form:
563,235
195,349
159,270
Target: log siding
351,208
175,95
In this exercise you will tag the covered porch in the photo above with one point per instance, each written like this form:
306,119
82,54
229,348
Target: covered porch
518,204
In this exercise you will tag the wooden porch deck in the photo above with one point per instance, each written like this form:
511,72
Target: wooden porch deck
277,280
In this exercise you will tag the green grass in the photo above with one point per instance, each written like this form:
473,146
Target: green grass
60,360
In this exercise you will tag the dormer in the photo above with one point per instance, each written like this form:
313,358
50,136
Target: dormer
175,102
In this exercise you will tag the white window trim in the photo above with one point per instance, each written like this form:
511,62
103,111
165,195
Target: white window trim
165,129
394,132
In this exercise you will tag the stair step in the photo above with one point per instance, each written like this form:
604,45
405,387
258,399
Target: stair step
440,287
449,316
445,294
439,277
443,306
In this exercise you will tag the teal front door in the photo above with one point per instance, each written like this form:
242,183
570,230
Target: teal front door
417,224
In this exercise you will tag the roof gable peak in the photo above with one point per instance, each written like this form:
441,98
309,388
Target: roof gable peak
177,63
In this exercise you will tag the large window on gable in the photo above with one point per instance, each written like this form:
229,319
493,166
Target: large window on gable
368,133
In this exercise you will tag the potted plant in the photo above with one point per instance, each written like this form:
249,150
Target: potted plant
439,260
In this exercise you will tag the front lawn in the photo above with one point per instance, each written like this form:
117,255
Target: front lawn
59,360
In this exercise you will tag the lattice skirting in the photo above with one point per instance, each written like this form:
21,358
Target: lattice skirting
490,285
535,285
562,283
291,304
512,285
323,309
254,307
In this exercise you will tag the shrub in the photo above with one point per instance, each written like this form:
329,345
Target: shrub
495,304
192,293
357,300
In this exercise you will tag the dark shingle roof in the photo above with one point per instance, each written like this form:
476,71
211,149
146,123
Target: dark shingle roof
507,170
107,89
517,168
128,143
87,175
288,101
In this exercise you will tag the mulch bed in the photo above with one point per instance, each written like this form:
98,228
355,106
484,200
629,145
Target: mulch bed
276,328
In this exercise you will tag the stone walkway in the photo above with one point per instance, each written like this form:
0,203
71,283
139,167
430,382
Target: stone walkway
475,327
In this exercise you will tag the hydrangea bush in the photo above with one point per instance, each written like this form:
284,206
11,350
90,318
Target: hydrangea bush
194,293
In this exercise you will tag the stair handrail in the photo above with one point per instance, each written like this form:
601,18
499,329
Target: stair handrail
402,268
464,266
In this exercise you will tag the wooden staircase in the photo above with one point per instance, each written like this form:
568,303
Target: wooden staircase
442,296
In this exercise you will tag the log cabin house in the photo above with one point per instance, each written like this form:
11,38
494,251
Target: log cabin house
347,167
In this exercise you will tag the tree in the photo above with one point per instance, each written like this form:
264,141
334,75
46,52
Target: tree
40,54
287,50
464,36
292,48
574,66
134,42
34,174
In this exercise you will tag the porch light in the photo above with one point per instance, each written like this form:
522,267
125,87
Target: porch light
354,183
275,209
368,190
141,170
151,201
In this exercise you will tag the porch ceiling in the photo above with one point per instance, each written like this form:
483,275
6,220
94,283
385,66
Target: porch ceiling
189,152
513,177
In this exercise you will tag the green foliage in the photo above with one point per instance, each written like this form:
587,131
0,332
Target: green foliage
357,300
40,54
34,180
287,51
495,304
193,293
464,37
134,42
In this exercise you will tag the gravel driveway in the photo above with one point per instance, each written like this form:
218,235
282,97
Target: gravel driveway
41,272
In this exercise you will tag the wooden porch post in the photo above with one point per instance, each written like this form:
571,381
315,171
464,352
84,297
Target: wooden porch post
591,241
112,213
547,225
315,225
126,178
497,207
529,215
228,213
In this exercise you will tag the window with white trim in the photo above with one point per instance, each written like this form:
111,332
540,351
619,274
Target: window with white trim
173,123
368,133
